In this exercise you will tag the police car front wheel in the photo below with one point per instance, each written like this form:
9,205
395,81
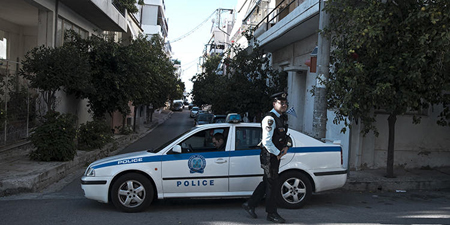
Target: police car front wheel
295,189
132,192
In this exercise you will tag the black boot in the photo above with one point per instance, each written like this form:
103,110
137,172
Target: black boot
250,210
274,217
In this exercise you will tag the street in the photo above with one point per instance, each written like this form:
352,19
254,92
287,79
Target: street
64,203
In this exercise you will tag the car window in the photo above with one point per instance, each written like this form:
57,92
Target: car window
219,120
205,117
248,138
171,141
202,141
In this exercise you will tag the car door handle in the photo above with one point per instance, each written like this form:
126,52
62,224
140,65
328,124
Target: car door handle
221,161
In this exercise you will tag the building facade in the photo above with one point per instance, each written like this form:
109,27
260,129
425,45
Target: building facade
25,24
288,31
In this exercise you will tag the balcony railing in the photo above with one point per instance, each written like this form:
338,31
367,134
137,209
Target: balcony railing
276,14
121,11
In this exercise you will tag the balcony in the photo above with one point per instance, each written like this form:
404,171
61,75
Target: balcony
287,23
153,18
102,13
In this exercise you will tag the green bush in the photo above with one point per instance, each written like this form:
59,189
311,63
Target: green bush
124,130
54,139
94,134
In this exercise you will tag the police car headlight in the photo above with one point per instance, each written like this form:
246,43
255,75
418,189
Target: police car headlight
90,172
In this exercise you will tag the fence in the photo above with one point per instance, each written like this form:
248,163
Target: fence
17,104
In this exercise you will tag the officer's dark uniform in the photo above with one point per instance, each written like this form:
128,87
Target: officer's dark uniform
274,125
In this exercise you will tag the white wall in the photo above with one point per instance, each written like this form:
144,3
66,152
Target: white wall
425,145
300,84
150,15
21,39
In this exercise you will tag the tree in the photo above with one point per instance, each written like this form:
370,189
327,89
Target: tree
205,84
109,74
252,79
129,5
52,69
152,73
247,85
112,89
391,56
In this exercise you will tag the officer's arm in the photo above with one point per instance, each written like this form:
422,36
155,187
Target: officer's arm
268,126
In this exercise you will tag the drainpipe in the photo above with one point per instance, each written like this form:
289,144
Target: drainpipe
56,22
323,60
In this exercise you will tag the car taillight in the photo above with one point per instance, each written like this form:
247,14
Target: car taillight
342,158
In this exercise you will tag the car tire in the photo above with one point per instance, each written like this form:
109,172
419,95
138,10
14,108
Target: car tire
295,189
132,192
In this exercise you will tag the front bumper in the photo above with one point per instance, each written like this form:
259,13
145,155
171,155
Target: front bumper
95,188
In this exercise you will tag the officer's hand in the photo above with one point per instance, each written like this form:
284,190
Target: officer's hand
282,153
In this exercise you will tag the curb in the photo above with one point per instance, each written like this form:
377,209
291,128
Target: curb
52,172
396,185
374,180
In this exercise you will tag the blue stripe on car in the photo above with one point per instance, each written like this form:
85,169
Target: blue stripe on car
186,156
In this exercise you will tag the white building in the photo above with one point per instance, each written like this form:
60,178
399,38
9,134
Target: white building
153,19
220,41
288,30
25,24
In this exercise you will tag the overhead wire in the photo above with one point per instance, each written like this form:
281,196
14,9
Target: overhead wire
193,30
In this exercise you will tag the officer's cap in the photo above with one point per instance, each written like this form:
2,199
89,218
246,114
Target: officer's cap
279,96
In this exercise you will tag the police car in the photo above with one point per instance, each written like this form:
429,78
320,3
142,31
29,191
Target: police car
190,166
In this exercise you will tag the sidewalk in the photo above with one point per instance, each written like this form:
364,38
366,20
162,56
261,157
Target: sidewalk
415,179
18,174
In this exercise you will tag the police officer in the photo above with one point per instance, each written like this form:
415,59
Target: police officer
218,141
273,147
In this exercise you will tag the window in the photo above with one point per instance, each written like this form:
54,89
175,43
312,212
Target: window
202,141
63,25
248,138
3,44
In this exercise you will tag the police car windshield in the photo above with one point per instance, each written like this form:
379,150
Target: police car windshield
171,141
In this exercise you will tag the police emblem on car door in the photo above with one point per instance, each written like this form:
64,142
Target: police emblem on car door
200,167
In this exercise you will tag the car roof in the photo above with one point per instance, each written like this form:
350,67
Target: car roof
304,139
213,125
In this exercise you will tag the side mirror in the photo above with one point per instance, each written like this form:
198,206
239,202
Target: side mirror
176,149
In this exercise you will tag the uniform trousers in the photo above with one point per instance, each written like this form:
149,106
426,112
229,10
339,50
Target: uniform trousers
267,187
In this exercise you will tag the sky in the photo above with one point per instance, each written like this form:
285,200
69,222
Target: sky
183,16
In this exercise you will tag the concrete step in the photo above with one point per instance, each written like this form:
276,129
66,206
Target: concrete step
18,149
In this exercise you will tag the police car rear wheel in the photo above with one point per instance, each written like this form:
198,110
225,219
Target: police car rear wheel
295,190
132,192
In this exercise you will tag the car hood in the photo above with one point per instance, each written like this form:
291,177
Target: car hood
127,156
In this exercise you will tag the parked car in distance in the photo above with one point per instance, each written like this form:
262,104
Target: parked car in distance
194,111
203,118
190,166
219,119
177,106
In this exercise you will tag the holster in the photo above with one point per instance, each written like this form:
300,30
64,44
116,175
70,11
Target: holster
269,163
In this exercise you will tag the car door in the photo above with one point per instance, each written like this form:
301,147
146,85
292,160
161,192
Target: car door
200,170
245,168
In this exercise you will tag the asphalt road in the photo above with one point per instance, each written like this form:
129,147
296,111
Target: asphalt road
64,203
176,125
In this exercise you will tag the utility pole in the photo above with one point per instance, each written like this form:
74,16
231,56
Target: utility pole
323,61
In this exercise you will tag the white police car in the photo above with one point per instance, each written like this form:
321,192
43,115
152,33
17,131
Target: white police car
190,166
